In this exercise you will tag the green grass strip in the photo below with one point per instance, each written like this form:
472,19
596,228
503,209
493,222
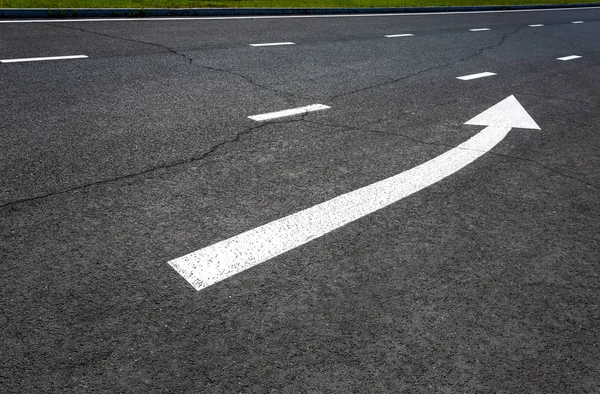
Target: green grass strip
265,3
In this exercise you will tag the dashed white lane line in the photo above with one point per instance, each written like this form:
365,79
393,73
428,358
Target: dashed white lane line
271,44
480,29
223,259
538,25
40,59
568,57
576,22
399,35
475,76
288,112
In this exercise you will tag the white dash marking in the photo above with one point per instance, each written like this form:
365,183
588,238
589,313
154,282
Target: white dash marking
538,25
270,44
568,57
288,112
223,259
475,76
399,35
481,29
40,59
577,22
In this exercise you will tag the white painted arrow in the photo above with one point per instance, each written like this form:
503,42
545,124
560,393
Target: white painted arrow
214,263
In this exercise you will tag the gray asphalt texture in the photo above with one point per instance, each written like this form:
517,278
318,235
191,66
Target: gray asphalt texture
488,281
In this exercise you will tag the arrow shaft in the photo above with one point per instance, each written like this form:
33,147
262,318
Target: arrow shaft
214,263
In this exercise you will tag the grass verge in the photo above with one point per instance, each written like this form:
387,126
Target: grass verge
266,3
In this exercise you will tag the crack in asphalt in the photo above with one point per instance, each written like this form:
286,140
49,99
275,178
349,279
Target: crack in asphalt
440,144
296,119
396,80
301,118
550,169
548,97
289,97
153,168
363,129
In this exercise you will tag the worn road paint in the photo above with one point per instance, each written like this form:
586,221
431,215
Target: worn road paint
40,59
219,261
577,22
482,29
569,57
399,35
271,44
538,25
475,76
288,112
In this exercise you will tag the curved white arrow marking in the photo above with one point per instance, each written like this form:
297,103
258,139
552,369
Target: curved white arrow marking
214,263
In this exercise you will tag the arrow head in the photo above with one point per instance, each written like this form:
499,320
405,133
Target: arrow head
507,112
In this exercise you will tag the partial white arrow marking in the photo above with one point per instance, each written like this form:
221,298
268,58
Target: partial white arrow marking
214,263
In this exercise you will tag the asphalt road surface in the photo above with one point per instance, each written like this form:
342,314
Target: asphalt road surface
142,151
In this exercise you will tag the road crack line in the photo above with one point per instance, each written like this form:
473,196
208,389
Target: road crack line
415,74
548,97
439,144
550,169
236,138
289,97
